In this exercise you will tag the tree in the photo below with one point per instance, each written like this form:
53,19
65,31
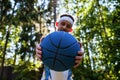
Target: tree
95,29
18,23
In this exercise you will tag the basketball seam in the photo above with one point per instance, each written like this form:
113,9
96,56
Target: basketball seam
68,46
53,52
57,48
57,60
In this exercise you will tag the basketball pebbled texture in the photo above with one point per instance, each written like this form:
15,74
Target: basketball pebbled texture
59,50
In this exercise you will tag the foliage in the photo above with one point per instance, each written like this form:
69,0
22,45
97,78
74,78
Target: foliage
26,71
97,27
18,35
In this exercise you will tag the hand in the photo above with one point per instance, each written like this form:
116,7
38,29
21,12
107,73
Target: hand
78,59
38,52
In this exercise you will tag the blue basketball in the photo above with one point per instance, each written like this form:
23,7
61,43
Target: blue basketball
59,50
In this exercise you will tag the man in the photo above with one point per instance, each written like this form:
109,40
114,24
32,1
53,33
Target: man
65,23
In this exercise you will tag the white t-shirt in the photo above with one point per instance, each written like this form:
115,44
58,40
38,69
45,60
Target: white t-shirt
49,74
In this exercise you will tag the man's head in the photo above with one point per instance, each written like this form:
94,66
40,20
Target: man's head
65,23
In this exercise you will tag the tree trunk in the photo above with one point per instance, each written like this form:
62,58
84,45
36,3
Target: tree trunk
4,52
54,6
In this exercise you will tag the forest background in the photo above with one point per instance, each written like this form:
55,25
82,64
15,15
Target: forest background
97,26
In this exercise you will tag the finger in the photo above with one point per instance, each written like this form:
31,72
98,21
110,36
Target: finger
38,56
77,63
38,47
78,60
80,53
75,66
78,57
38,51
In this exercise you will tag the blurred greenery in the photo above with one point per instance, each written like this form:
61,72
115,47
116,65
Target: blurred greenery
23,22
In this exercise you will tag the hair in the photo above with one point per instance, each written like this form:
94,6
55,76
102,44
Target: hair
68,16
